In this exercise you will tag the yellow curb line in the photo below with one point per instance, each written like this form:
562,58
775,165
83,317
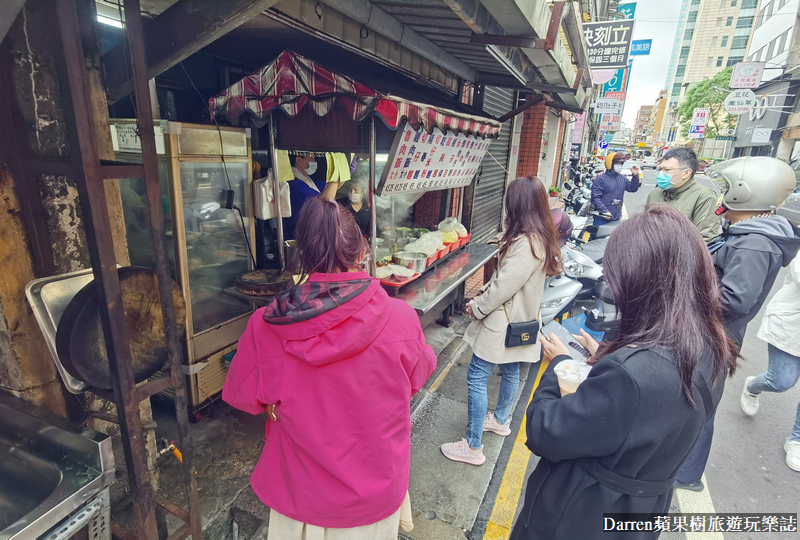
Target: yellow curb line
505,505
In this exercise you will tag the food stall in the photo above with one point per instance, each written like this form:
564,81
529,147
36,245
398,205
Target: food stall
404,149
206,177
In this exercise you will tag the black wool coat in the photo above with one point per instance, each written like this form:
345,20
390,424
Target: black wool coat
629,420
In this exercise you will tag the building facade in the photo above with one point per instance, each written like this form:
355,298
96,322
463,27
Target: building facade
642,127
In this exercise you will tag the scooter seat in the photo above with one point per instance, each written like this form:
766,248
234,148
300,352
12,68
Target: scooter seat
594,249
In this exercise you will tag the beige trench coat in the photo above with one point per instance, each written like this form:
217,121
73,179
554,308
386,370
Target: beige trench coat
519,284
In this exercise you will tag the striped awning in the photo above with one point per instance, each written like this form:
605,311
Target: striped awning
292,82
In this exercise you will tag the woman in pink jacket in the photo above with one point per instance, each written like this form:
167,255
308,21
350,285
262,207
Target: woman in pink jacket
334,363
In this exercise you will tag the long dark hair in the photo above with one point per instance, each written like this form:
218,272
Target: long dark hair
528,214
664,285
328,238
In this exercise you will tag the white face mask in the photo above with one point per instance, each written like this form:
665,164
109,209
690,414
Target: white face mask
355,198
312,168
618,168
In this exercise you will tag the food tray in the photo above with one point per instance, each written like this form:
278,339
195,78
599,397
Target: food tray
464,240
432,258
442,252
396,282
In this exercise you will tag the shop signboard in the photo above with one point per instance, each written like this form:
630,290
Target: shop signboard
747,75
629,10
767,116
697,132
700,116
575,151
577,130
609,122
761,136
602,76
739,102
608,43
615,95
607,105
641,47
420,161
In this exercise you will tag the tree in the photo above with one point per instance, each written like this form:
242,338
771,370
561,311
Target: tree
709,94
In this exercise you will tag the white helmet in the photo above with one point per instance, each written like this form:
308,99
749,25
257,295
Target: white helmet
753,183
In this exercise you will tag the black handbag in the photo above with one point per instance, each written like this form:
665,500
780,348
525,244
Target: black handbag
521,333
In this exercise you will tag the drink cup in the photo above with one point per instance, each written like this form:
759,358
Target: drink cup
571,374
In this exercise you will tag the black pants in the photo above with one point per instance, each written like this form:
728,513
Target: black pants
692,469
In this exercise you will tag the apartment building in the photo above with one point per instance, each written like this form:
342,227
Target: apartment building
642,126
773,35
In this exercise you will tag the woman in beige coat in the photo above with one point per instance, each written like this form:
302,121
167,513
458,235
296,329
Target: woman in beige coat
529,252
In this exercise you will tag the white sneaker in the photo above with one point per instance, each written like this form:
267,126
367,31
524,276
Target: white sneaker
748,401
460,451
792,455
490,423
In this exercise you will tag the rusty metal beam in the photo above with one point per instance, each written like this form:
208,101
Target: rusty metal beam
555,23
92,195
530,102
180,31
136,43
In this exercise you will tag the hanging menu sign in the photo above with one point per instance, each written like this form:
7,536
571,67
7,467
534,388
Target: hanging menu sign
428,162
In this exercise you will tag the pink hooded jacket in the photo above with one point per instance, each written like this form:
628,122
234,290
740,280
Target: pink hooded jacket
341,360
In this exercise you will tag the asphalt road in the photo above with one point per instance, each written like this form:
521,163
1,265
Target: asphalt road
747,470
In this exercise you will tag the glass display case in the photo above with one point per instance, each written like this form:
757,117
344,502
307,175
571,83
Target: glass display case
206,177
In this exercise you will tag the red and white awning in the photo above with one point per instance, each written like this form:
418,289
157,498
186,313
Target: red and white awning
292,82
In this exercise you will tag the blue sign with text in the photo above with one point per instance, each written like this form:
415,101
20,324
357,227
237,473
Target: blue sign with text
641,47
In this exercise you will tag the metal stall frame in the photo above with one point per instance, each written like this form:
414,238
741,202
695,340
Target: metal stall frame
89,174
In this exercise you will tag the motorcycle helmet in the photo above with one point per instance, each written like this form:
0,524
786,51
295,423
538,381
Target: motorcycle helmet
563,224
604,317
753,183
614,157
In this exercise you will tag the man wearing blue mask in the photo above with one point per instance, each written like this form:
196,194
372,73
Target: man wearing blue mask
676,186
611,186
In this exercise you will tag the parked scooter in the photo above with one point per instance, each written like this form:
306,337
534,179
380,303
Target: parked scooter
584,270
559,297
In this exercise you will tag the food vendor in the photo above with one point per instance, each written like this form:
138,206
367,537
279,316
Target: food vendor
356,202
303,187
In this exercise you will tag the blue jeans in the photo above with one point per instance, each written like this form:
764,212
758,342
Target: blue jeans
782,374
478,398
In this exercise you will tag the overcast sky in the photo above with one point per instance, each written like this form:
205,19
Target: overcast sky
656,20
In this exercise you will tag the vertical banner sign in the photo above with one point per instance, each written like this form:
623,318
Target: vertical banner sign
420,161
747,74
577,130
641,47
608,43
629,10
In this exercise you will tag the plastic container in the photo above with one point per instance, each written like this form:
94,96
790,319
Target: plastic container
432,258
571,374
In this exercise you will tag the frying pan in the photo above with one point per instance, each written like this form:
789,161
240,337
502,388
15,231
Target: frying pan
79,338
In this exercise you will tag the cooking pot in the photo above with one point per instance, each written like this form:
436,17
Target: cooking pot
413,260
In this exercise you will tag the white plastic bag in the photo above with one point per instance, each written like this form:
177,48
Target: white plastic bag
264,201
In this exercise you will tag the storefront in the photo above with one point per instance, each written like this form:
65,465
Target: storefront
758,133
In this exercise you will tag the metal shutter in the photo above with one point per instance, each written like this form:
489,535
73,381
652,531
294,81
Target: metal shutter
487,208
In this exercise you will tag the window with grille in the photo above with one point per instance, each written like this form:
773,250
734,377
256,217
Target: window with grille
734,60
744,22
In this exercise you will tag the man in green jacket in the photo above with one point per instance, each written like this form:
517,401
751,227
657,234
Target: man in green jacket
676,187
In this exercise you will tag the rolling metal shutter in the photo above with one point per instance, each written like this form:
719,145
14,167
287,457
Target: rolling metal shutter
487,207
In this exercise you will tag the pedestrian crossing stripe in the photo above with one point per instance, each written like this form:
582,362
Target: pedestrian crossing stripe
505,505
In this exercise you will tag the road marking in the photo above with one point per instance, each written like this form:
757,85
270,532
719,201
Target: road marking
691,502
505,505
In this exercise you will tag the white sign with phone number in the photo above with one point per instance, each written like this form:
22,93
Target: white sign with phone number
429,162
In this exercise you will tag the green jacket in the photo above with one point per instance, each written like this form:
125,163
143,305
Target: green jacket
696,202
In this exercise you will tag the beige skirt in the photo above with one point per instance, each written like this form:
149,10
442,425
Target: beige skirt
285,528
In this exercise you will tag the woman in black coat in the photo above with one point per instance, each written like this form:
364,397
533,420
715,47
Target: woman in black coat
616,444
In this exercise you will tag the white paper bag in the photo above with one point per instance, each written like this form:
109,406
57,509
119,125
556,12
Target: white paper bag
264,200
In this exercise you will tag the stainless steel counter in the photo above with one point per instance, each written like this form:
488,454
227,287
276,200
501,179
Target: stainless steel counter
431,288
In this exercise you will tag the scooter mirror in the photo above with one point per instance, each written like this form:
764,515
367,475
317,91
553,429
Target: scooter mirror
567,186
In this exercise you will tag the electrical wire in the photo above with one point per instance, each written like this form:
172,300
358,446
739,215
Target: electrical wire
224,167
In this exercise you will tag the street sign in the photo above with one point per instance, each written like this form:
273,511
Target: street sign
608,137
641,47
629,10
697,132
700,116
608,43
606,105
739,102
725,138
603,145
671,136
641,144
747,74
